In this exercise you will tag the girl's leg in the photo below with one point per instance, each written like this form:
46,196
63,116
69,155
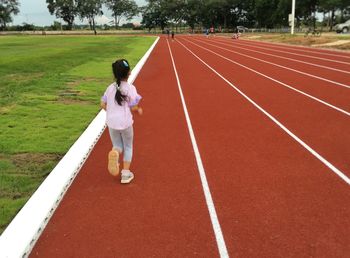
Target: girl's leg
127,138
113,155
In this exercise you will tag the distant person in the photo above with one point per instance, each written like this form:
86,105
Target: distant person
207,33
172,34
212,30
119,100
168,32
236,33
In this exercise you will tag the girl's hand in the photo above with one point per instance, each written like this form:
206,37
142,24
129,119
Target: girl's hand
138,109
103,105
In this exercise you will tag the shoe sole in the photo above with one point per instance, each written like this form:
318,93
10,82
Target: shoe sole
127,181
113,165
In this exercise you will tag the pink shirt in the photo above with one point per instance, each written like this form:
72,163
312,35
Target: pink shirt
120,117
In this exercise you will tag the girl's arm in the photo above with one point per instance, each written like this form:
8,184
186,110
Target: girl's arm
103,105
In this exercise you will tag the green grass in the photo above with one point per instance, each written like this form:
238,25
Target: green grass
50,89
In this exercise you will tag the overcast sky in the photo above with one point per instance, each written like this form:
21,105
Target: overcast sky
36,12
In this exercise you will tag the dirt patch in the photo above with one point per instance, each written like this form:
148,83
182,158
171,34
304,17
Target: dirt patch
334,43
20,77
344,46
22,160
6,109
328,40
69,101
69,92
253,37
75,83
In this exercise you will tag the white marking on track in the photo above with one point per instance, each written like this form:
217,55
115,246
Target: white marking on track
314,57
320,51
296,138
281,66
295,60
277,81
210,204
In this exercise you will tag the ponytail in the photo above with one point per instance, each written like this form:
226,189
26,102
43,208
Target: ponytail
120,70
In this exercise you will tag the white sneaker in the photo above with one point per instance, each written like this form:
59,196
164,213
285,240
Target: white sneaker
127,176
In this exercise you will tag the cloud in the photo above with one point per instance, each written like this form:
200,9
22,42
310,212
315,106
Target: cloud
101,20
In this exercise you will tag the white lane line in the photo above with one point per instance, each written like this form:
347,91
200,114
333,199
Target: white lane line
281,66
286,52
277,81
296,138
320,51
287,58
210,204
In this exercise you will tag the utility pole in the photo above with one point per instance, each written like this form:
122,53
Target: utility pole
293,16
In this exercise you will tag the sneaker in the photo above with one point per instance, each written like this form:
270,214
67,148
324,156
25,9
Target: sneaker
113,165
126,177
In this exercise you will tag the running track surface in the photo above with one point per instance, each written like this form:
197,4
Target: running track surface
272,196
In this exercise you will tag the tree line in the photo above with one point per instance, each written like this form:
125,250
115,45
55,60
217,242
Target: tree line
202,13
249,13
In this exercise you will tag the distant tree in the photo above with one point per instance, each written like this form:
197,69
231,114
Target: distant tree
331,7
264,11
154,14
122,8
192,12
65,9
174,10
306,11
7,8
56,25
282,10
89,9
27,26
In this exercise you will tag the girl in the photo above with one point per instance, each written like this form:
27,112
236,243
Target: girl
119,100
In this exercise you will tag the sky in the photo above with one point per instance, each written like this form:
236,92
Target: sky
36,12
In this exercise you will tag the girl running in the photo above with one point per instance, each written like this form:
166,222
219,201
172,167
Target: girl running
119,100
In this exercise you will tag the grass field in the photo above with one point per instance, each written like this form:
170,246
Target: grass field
50,88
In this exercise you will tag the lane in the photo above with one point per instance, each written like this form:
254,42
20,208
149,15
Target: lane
334,96
320,127
326,61
163,212
250,54
273,198
312,68
321,52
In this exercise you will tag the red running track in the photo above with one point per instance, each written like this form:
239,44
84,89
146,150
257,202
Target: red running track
273,198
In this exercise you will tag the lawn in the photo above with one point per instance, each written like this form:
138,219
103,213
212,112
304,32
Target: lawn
50,88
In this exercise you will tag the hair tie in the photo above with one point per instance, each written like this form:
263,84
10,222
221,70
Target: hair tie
125,63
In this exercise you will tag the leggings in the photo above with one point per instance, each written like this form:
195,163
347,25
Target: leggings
122,141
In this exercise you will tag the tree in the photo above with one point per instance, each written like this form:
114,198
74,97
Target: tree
89,9
306,11
154,14
331,7
65,9
122,8
193,12
7,8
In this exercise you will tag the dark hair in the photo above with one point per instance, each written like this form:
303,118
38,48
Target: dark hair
121,71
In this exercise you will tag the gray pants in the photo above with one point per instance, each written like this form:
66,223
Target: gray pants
122,141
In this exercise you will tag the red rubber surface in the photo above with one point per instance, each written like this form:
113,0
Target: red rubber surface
272,197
